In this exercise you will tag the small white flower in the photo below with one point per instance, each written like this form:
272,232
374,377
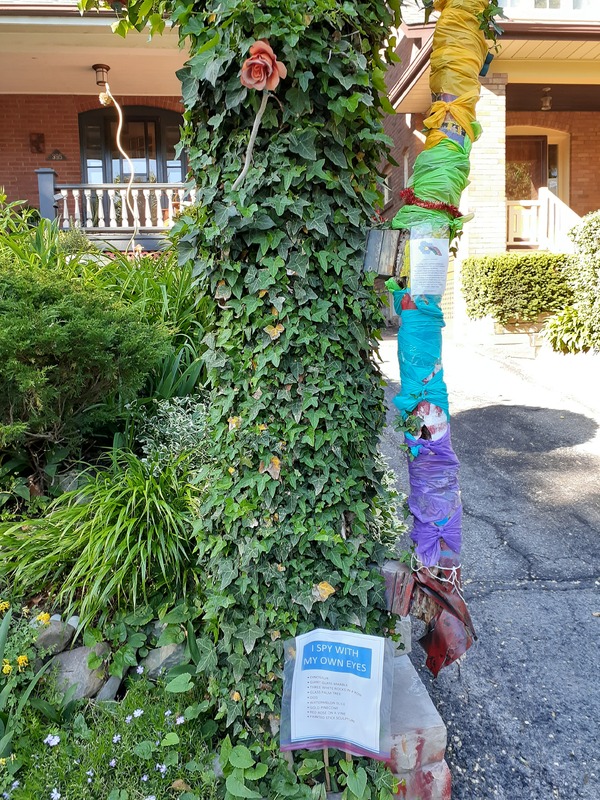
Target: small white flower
128,719
116,738
179,720
55,794
145,778
139,669
52,739
138,712
168,712
112,762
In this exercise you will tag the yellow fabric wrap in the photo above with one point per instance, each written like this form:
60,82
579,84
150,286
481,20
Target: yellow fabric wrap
462,110
459,48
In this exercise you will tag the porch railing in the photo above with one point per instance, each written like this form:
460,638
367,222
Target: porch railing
109,207
541,224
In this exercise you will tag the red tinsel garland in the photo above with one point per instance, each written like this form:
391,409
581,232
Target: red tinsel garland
411,199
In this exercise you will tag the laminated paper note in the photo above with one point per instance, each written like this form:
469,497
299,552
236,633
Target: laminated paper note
335,698
428,265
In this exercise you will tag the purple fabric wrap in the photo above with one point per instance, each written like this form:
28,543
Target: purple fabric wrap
433,475
427,535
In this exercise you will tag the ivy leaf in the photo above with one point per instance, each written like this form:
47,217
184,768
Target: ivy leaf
170,739
274,331
228,572
238,789
304,145
337,156
249,635
239,665
207,655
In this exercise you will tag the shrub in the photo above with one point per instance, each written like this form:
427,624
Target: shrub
581,326
567,332
104,545
177,427
64,349
515,285
164,293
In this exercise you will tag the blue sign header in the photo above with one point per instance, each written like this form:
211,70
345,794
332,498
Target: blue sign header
337,657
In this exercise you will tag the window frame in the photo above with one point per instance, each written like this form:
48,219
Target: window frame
161,117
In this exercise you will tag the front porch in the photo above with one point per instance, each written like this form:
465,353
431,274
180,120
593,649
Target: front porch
113,213
541,224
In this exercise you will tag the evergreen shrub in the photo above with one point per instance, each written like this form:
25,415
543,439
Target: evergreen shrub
64,349
515,286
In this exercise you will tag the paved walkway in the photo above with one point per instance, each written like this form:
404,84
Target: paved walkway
523,707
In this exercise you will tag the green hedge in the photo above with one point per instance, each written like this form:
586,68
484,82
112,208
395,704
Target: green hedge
515,285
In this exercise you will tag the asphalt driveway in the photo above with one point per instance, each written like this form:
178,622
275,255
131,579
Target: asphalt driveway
523,706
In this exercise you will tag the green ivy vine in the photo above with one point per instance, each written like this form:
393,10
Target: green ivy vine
294,495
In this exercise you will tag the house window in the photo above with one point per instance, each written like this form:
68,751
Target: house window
149,137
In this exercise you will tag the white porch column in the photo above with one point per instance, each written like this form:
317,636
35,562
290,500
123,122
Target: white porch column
487,197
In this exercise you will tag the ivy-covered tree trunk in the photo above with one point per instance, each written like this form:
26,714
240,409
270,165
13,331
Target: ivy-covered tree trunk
289,526
294,508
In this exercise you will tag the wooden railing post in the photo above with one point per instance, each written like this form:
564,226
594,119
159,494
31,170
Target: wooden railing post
46,189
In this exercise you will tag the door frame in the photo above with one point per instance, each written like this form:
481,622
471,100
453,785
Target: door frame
560,138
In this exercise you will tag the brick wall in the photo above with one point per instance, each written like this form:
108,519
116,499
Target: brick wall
584,129
56,116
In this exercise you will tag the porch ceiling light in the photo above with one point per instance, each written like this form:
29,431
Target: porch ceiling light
101,74
546,99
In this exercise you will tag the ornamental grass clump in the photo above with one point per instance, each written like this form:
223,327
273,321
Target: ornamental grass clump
125,532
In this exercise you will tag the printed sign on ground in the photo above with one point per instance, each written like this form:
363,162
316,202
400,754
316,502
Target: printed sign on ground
337,692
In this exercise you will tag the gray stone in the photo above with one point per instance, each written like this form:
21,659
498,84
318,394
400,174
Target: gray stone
403,630
72,670
73,622
162,659
54,637
110,689
55,617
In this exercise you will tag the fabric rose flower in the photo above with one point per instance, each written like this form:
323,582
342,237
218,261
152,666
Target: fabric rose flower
262,70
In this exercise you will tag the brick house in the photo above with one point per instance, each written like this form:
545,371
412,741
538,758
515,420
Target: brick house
58,142
536,168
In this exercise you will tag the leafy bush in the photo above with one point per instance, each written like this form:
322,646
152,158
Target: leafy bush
127,530
168,294
579,330
515,285
64,349
177,427
567,332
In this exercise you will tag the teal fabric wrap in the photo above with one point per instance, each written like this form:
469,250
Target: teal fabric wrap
420,354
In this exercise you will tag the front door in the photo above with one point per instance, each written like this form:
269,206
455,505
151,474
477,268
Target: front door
526,166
